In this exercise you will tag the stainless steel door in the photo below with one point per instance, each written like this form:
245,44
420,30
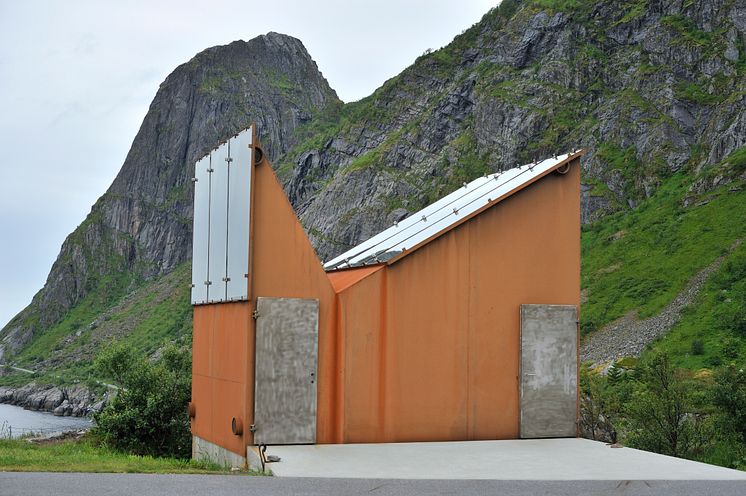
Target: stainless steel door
549,371
287,336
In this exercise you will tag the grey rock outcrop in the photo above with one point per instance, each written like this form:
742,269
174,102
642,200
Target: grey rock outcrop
76,401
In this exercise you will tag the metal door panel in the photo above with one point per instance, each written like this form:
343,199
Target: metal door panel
549,371
239,195
286,368
200,239
218,222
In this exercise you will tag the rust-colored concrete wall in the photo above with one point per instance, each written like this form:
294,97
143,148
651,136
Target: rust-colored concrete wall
219,371
426,348
285,265
282,264
432,342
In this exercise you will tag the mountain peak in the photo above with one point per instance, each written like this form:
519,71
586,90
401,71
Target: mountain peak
138,228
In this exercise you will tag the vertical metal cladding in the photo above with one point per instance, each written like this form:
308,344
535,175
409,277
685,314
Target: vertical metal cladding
201,240
220,255
431,338
239,194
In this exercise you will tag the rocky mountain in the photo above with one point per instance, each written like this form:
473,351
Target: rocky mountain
141,227
653,89
647,87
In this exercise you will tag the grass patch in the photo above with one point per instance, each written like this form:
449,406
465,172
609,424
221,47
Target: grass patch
559,5
87,455
78,318
695,93
690,34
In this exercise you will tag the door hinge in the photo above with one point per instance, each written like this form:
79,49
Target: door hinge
255,314
252,428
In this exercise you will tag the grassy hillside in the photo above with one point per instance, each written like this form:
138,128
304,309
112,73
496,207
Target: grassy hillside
153,314
639,260
713,332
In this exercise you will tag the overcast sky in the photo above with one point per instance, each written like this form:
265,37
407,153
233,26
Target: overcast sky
76,78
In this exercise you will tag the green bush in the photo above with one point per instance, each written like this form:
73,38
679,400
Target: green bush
729,396
602,401
730,348
736,319
698,347
148,416
661,414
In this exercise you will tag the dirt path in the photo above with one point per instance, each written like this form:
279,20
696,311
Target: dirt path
629,336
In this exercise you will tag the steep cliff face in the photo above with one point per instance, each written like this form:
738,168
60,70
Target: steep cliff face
141,227
648,87
651,88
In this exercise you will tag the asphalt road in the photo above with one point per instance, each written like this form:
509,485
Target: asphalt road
46,484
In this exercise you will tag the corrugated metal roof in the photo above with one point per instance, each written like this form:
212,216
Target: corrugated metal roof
444,213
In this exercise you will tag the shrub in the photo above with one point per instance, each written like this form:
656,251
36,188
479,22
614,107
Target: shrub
148,416
736,320
730,348
601,402
729,396
698,347
661,413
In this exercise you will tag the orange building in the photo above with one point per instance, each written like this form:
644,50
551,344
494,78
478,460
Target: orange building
457,323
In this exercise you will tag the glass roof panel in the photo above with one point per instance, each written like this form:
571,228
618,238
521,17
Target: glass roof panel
441,215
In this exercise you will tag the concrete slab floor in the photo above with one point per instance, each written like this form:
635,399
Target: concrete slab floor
525,459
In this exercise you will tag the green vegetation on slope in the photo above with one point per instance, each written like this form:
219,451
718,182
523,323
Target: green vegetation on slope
641,259
713,331
152,315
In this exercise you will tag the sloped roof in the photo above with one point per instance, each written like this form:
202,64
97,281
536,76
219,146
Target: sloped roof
342,279
444,214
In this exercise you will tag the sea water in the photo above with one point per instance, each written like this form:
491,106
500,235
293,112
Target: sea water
16,422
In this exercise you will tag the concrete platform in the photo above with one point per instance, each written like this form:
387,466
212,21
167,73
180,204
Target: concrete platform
528,459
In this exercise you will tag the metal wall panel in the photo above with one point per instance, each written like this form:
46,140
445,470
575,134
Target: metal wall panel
287,335
549,371
200,239
239,199
218,223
